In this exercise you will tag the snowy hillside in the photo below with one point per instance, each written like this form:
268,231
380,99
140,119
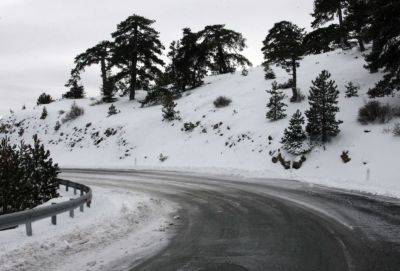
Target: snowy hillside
236,139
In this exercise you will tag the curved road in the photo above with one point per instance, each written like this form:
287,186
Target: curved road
229,224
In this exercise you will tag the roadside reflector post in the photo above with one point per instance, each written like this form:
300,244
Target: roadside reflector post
81,207
54,217
28,227
71,212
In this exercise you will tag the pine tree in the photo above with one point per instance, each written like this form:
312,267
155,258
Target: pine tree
276,106
10,176
76,91
168,109
384,31
322,39
99,54
323,100
44,99
41,173
351,90
283,46
223,48
357,20
28,176
269,72
325,11
294,135
44,113
137,52
188,61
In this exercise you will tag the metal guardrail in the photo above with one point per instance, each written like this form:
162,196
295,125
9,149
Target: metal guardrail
29,216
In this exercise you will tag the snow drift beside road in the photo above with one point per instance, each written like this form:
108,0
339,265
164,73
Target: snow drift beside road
121,226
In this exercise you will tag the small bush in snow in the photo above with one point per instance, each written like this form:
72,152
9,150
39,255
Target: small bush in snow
396,129
168,110
112,110
222,101
351,90
57,126
345,157
299,164
60,112
21,131
44,114
73,113
23,107
245,72
374,112
162,157
190,126
44,99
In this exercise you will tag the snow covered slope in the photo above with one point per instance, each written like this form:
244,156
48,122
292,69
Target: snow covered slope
234,139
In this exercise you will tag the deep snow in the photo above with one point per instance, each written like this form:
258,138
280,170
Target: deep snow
121,226
230,140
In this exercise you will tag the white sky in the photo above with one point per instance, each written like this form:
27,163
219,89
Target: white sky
40,38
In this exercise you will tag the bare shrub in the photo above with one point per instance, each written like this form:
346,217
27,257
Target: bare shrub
73,113
374,112
222,101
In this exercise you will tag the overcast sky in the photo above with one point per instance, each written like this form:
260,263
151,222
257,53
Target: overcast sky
39,38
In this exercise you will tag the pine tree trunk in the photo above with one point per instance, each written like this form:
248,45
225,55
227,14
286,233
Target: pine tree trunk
342,36
104,76
133,68
221,60
294,86
361,44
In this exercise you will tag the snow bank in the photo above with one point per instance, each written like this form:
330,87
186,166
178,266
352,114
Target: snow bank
120,222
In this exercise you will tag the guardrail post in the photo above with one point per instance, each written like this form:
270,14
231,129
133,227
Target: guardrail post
81,207
28,227
71,212
54,218
81,192
74,190
66,186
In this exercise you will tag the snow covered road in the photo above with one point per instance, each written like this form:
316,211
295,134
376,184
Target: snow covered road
226,223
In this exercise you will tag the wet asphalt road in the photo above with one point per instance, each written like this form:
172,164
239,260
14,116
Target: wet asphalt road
229,224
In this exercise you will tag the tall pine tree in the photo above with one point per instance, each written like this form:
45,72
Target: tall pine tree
99,54
384,31
322,40
188,61
283,46
224,47
137,52
276,106
326,10
357,20
323,99
294,136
